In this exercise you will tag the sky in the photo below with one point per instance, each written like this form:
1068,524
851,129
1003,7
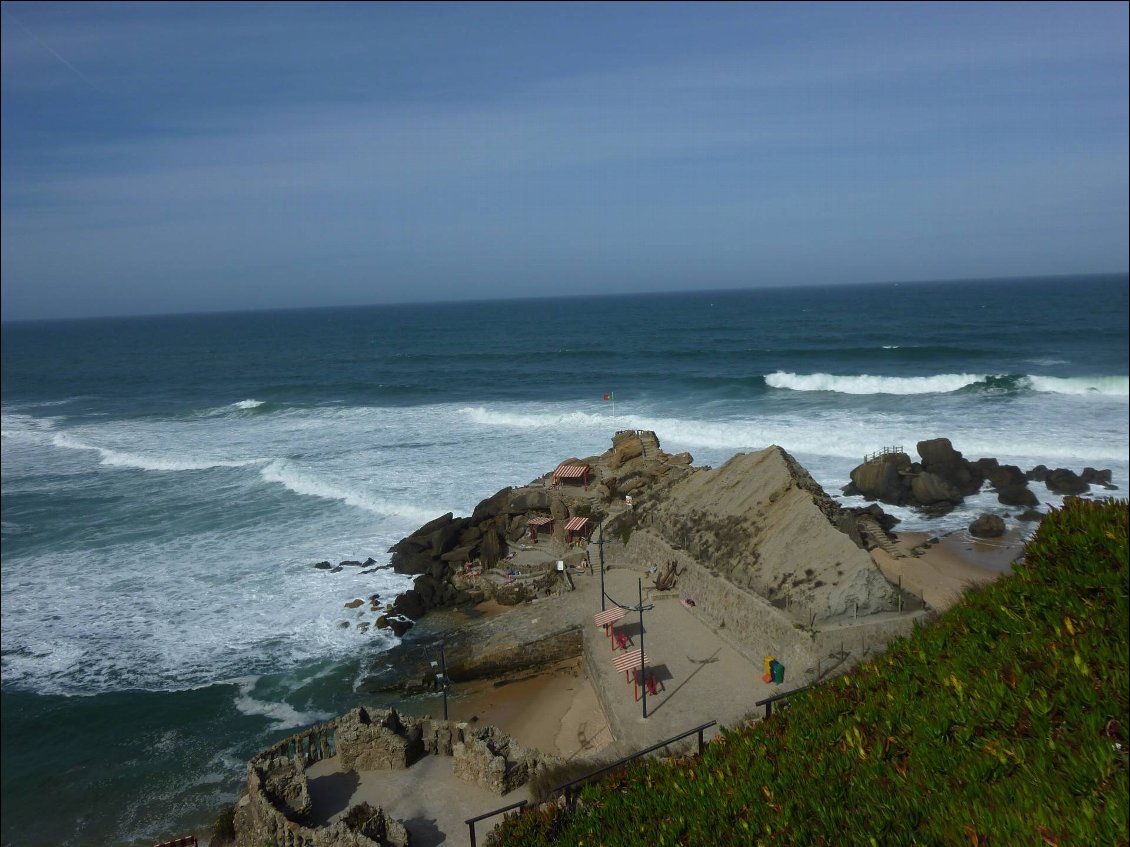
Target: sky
212,156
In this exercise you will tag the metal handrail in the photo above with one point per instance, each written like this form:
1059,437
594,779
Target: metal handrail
769,701
886,451
565,787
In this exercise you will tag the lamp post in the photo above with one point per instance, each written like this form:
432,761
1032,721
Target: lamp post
600,544
441,674
643,665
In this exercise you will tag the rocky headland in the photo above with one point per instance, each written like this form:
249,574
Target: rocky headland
764,562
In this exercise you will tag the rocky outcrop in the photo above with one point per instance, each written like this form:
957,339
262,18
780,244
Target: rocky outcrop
437,551
761,522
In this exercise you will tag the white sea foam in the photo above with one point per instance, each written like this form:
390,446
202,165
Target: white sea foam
868,384
282,715
119,459
1112,386
288,475
248,404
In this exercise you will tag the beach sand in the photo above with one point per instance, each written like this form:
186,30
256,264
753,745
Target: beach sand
941,571
555,710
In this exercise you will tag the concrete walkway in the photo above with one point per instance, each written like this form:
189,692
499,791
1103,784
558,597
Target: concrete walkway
702,678
428,798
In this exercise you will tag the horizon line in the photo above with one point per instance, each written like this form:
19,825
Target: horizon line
559,297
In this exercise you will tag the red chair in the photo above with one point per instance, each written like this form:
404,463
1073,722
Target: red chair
621,640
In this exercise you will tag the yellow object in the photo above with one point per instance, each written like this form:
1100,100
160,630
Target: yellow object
768,661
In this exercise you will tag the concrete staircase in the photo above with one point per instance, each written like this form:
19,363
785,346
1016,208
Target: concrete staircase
872,528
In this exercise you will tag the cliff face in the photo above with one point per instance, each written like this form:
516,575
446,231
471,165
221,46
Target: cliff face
764,524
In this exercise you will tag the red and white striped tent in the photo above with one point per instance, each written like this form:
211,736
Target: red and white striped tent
577,528
572,472
539,523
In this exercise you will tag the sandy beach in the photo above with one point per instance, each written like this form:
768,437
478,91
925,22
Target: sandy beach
940,571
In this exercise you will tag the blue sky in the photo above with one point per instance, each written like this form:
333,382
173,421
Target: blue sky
199,157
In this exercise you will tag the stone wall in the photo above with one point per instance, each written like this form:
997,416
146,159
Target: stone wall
275,805
745,620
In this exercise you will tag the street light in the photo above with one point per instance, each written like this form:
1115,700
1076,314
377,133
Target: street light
441,675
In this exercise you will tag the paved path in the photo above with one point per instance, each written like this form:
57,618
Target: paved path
702,678
428,798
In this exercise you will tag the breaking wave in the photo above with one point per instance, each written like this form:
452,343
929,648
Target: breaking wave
1112,386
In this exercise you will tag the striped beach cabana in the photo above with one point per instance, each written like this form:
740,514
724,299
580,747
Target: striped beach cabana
577,528
537,524
572,473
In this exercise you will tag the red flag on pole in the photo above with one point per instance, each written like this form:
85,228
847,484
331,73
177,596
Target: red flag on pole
608,396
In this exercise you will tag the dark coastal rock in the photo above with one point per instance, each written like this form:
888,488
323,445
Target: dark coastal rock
1038,473
323,566
930,488
1097,477
986,466
351,563
1031,516
399,624
937,451
528,500
495,505
1064,481
409,604
881,480
1011,485
987,526
943,461
886,522
369,562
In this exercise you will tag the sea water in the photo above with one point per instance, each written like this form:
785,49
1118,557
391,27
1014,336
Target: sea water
169,482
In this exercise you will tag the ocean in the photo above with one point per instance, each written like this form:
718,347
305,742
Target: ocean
169,482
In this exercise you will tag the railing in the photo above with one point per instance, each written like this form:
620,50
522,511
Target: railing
769,701
886,451
567,787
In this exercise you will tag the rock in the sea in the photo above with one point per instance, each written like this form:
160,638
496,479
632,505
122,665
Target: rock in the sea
1031,516
880,480
1011,484
929,489
323,566
1064,481
351,563
353,604
1097,477
1038,473
987,526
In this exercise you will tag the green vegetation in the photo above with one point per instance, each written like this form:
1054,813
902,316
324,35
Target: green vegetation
1004,722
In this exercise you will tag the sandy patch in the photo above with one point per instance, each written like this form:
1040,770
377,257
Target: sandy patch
555,711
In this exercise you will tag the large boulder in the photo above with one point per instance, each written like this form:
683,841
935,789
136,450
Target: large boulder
938,451
987,526
881,480
1064,481
940,459
1011,485
625,447
930,488
1093,476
